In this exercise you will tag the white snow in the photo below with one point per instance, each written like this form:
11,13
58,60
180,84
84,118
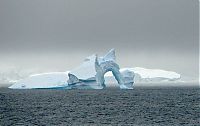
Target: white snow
86,70
144,75
155,73
44,80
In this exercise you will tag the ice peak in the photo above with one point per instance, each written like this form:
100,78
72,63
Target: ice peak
110,55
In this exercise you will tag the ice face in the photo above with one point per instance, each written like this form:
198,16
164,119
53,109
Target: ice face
86,70
128,78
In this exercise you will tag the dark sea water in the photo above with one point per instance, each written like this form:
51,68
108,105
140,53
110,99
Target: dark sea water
138,107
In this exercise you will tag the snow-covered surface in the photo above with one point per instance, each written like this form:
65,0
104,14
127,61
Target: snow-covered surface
86,70
155,73
45,80
143,75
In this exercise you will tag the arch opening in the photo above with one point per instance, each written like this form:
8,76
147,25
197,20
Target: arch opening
104,67
110,80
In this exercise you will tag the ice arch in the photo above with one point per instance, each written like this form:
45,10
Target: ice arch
106,64
90,74
104,67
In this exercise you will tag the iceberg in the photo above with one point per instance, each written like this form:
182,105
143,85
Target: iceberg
89,75
96,73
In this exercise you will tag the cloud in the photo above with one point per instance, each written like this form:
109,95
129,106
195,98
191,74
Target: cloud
57,35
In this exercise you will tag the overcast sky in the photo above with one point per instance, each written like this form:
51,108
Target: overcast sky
56,35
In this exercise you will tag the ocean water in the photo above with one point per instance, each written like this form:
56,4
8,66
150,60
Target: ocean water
138,107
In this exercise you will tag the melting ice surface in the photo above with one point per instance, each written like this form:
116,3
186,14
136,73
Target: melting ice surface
95,73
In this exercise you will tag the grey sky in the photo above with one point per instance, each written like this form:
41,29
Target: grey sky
54,35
